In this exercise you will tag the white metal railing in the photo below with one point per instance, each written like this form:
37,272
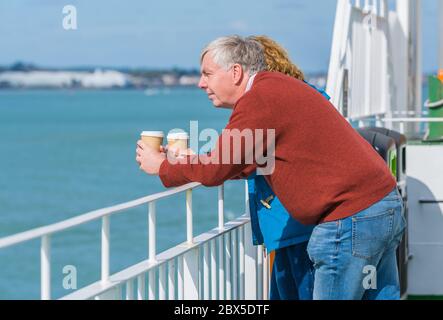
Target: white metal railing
400,121
187,271
403,121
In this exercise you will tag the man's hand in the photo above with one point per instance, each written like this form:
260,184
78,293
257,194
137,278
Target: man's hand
149,159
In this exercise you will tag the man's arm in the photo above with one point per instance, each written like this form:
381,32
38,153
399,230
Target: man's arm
235,154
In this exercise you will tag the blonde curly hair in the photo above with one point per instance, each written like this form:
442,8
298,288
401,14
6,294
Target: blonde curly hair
277,58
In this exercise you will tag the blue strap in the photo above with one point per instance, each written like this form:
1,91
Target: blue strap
323,92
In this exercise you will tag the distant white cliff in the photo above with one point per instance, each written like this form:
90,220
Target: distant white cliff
64,79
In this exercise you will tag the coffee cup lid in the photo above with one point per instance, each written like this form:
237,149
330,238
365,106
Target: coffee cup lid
159,134
178,136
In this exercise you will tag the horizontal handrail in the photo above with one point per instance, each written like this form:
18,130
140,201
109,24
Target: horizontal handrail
90,216
413,120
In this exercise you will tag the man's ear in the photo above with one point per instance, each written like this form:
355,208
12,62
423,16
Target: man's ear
237,74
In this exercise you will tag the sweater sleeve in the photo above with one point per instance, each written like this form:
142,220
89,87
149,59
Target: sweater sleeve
236,152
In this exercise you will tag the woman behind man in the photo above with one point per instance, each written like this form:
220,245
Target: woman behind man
292,272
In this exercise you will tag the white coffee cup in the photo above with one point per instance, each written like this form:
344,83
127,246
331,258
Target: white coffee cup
178,140
154,139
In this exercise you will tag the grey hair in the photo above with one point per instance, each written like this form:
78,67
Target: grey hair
227,51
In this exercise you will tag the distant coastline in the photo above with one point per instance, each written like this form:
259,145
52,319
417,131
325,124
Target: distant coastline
28,76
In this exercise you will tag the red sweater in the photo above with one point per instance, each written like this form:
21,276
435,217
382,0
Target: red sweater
324,170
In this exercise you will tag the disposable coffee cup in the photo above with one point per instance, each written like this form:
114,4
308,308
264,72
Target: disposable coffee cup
178,140
154,139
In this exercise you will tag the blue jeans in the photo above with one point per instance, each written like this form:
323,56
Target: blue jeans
355,258
292,274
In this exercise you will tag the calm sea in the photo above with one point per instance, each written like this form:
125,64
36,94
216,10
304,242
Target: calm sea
64,153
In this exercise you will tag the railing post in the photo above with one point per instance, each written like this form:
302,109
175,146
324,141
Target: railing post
105,248
162,282
228,258
213,271
152,231
221,256
234,251
221,209
190,274
130,289
171,279
206,273
402,127
260,284
152,284
141,287
241,254
378,122
190,237
250,284
266,275
45,256
221,269
180,279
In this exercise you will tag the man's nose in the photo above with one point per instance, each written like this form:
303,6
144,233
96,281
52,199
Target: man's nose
202,83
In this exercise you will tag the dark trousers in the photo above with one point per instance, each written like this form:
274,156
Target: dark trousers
292,274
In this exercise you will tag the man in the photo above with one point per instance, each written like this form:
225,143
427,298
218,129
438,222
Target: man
320,168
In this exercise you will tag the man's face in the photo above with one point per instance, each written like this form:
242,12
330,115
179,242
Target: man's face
218,83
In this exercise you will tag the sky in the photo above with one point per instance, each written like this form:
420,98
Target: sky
171,33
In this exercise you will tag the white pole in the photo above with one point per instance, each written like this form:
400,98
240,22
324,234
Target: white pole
152,231
171,279
191,275
105,248
384,9
130,289
213,271
221,269
189,216
241,253
141,287
228,257
180,279
402,127
409,13
366,6
206,273
152,284
418,58
221,197
45,254
234,272
266,261
260,285
162,282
